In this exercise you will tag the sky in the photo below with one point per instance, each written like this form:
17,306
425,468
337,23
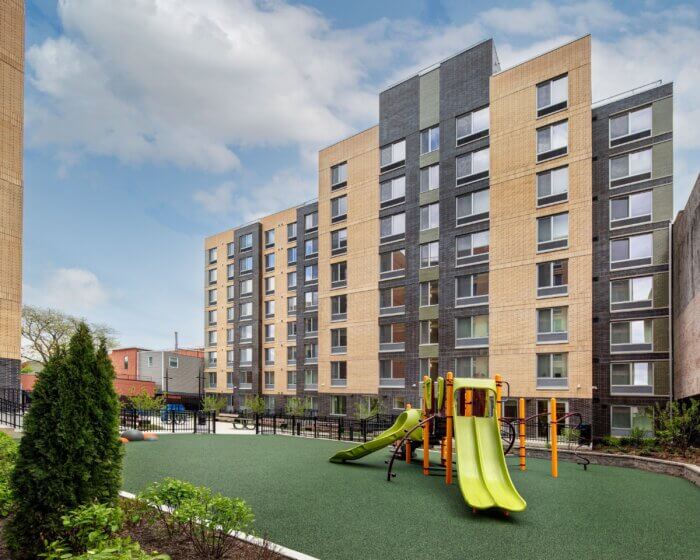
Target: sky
151,124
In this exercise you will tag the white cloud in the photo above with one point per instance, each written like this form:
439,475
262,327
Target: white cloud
72,290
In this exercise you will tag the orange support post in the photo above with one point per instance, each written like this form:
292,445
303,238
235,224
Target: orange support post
521,431
426,430
449,412
555,456
468,396
499,392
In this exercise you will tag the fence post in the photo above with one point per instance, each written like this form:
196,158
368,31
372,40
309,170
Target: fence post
315,428
257,424
195,418
340,420
274,424
555,457
521,430
172,418
213,422
363,426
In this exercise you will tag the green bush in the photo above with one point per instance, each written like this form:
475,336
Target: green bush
112,549
89,526
8,457
297,406
213,403
611,441
255,404
170,493
636,437
678,425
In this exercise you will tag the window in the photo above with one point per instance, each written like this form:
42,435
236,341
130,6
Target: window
630,126
339,175
623,419
245,242
628,252
339,208
230,271
270,308
229,336
310,352
553,278
229,357
269,404
553,186
245,380
553,232
311,273
211,296
631,293
246,309
270,238
212,379
398,402
291,355
339,308
230,292
339,274
310,300
229,380
472,366
392,264
472,331
392,337
311,221
291,280
339,341
430,178
392,373
291,231
472,289
270,261
393,155
311,247
245,333
310,326
150,361
291,255
430,140
472,126
291,379
552,141
631,210
392,227
245,287
269,380
472,248
392,191
429,254
270,285
429,367
211,275
126,361
246,264
429,293
472,207
552,95
632,336
230,249
245,356
430,216
552,325
630,168
552,371
211,317
269,356
211,255
338,405
230,314
429,332
292,304
472,166
339,241
311,379
633,378
291,329
211,359
392,300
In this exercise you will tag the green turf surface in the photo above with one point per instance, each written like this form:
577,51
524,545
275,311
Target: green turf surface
350,512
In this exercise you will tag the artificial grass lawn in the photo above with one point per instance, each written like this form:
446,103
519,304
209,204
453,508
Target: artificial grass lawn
350,511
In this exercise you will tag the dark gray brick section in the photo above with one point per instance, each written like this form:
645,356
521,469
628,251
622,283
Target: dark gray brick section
9,373
302,236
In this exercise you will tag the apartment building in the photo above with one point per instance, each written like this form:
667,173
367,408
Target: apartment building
494,222
11,188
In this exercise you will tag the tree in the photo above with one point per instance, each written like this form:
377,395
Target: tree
365,408
297,406
44,331
69,455
255,404
213,403
143,401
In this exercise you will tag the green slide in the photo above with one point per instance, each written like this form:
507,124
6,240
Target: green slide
406,420
481,466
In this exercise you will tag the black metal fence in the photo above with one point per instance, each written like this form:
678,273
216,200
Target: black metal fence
13,405
572,432
168,421
328,427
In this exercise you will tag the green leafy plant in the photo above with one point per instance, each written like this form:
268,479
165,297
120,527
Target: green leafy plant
678,424
635,438
213,403
170,493
255,404
570,435
144,401
89,526
297,406
8,456
111,549
365,408
611,441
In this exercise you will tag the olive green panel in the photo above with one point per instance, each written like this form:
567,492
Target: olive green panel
661,334
429,196
660,246
662,203
429,235
426,313
661,289
430,158
429,104
662,160
425,274
662,116
662,379
429,351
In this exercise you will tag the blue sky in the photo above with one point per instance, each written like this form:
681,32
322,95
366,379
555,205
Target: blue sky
151,124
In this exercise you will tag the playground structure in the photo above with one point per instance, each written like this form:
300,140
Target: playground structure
465,412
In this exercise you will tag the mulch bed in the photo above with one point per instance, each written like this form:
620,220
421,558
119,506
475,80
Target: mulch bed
692,456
